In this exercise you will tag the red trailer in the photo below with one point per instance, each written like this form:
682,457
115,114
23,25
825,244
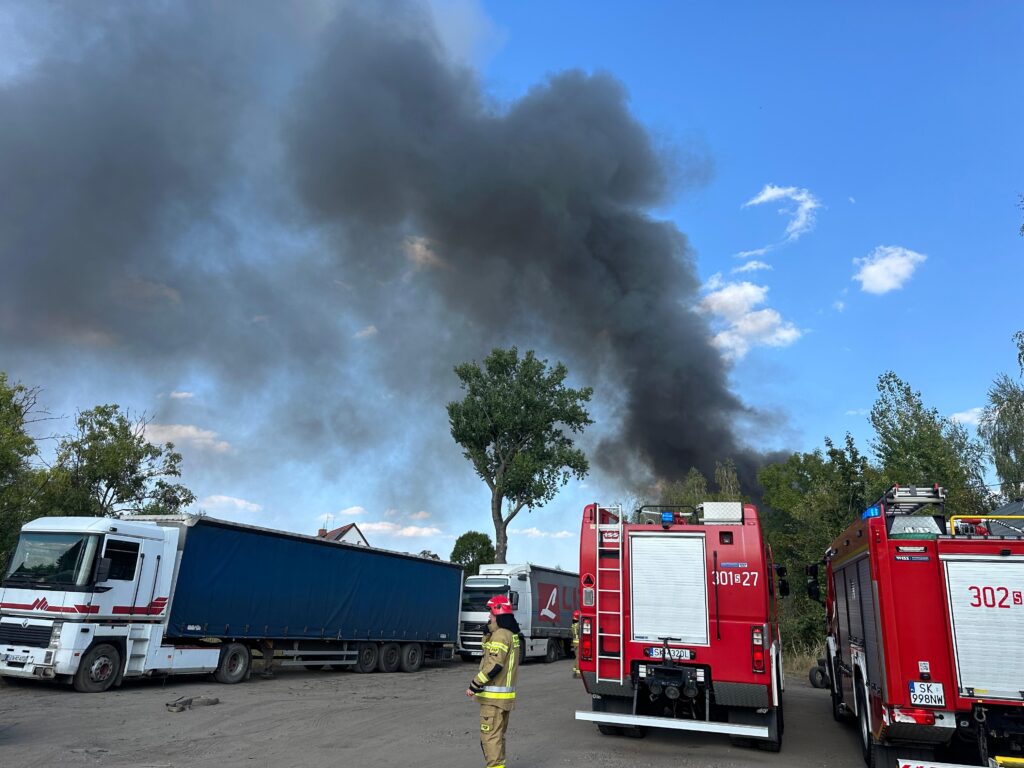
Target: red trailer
925,621
679,623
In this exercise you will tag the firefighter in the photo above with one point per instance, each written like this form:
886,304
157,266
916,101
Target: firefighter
576,643
494,686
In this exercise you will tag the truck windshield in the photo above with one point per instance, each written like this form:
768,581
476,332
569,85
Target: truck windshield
52,560
475,596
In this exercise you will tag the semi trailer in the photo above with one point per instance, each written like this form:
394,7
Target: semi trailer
95,601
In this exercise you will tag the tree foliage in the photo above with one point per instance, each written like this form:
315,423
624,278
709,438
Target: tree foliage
915,445
811,498
17,450
516,424
105,467
1002,427
472,549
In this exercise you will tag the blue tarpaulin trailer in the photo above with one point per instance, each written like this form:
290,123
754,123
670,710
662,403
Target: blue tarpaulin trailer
242,582
99,600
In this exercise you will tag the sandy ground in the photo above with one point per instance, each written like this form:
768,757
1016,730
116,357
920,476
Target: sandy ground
343,719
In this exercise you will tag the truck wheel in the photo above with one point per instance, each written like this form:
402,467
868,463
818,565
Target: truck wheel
863,724
551,653
98,669
366,657
234,664
412,657
818,677
389,657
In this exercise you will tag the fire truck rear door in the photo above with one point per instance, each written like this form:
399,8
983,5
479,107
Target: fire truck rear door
985,594
669,592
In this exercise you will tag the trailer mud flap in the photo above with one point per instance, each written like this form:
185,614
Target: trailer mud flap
704,726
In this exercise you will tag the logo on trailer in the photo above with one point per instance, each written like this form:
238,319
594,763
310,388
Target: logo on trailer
547,598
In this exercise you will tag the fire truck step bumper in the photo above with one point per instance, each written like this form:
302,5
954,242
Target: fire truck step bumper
610,718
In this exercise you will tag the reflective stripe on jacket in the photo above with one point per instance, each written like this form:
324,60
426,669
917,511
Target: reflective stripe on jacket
495,682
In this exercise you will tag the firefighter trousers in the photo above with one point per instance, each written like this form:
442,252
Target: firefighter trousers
493,723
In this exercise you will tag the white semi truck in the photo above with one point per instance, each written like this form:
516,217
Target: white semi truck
543,599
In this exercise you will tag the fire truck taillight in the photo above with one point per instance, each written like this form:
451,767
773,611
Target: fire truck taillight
586,641
757,649
916,716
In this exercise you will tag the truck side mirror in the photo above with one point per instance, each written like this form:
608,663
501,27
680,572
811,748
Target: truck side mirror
812,571
522,577
814,590
103,569
783,588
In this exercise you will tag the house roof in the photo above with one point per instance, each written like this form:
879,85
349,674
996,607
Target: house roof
338,533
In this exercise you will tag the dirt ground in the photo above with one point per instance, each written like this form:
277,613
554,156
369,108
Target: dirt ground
348,720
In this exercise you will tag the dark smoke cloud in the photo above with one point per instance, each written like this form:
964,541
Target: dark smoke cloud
535,217
233,190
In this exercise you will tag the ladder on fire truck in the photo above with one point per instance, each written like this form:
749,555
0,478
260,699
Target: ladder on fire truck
609,599
910,500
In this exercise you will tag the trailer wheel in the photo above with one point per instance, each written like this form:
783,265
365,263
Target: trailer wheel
234,664
366,657
412,657
98,669
551,652
389,658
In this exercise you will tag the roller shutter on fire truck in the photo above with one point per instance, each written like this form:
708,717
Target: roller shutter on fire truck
669,564
986,612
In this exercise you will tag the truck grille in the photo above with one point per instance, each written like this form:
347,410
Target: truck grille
472,626
32,636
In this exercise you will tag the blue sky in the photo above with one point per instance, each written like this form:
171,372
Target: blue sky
880,140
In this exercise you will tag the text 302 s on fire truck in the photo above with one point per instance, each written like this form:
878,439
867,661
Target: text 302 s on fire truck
925,621
679,626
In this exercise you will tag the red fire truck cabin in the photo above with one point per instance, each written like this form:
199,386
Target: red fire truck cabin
925,643
679,626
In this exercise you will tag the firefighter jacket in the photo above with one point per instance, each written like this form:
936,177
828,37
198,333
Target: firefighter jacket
495,683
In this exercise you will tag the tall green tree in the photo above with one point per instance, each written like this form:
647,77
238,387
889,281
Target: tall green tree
17,450
107,467
472,549
516,425
1002,426
916,446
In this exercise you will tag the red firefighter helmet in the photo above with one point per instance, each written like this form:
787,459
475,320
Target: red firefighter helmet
498,605
575,615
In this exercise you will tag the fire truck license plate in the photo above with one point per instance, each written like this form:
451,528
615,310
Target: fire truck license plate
927,694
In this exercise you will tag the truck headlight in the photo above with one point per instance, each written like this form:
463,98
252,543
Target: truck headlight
55,633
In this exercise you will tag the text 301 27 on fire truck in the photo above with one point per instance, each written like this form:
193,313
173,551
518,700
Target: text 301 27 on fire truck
679,622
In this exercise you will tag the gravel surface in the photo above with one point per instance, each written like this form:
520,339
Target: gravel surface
348,720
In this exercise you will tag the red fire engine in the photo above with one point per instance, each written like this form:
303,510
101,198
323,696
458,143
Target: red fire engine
925,626
679,622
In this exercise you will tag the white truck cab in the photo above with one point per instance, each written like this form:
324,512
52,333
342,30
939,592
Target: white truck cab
543,600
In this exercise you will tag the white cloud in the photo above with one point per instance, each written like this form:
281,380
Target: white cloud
421,515
802,218
755,252
970,416
420,251
350,512
229,503
735,303
852,200
887,268
857,412
367,332
537,533
186,435
394,529
839,306
752,266
182,395
733,300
